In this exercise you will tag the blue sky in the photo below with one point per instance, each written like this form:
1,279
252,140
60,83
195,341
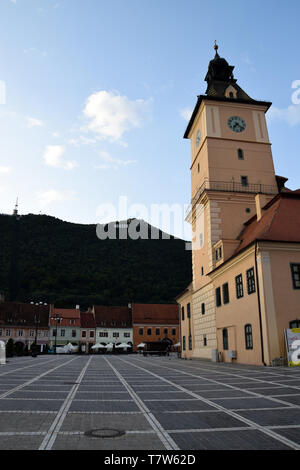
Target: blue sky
96,92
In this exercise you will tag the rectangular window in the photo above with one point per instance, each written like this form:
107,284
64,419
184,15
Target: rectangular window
73,333
295,267
225,339
244,180
54,333
91,334
203,308
157,331
225,293
182,313
103,334
183,343
204,340
149,331
165,331
45,333
189,310
218,297
202,271
31,334
62,332
20,333
0,332
7,333
250,281
190,343
126,335
248,337
141,331
116,335
83,334
72,322
174,332
239,286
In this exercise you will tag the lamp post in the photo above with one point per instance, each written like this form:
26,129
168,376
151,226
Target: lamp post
37,318
57,319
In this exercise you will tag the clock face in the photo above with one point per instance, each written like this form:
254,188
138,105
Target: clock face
198,138
236,124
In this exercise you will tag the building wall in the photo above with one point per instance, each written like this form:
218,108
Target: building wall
145,337
186,324
87,341
110,338
204,325
68,338
286,298
28,336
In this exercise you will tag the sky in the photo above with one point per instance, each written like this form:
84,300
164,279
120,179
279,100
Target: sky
95,97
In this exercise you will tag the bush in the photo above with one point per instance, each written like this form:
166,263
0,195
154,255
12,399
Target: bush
10,348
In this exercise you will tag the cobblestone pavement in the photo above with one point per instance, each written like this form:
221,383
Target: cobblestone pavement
51,402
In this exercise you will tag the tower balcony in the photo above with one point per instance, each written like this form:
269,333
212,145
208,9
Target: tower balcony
231,187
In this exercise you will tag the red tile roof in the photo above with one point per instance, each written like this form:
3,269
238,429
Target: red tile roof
66,314
119,317
20,314
280,221
155,314
87,320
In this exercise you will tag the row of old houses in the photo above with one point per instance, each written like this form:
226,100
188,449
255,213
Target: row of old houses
47,325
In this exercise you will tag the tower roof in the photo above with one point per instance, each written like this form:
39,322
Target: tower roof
219,78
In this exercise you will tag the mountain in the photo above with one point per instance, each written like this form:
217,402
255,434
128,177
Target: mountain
43,258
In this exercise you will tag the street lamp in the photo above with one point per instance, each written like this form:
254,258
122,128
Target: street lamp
37,319
57,319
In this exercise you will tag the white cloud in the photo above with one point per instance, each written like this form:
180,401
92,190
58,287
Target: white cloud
32,122
111,114
186,113
111,162
5,169
53,157
290,115
34,50
82,140
53,195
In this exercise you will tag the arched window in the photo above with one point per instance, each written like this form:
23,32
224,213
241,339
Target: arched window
231,95
248,337
225,339
240,154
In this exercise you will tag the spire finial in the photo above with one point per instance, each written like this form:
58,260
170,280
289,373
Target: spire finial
216,47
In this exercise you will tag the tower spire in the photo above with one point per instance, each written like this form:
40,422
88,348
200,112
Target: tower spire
16,207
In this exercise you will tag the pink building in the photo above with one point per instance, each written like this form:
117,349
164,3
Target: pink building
24,323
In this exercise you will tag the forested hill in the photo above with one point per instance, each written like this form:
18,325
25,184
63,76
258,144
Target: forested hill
66,264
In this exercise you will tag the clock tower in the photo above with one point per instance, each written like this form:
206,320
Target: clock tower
231,162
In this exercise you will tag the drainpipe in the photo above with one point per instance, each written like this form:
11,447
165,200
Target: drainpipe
259,309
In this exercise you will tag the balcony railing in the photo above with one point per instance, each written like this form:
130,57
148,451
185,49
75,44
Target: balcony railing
231,186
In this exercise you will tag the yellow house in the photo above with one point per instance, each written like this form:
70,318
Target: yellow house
234,191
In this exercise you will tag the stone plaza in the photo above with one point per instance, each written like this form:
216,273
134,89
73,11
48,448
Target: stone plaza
131,402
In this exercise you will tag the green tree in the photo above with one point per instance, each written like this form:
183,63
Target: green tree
10,348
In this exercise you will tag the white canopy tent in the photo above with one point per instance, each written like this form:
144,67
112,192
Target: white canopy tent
123,346
141,345
99,346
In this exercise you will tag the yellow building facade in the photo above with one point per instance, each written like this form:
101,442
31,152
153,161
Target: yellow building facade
232,181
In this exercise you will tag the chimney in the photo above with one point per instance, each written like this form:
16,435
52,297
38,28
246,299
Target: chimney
260,201
77,307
